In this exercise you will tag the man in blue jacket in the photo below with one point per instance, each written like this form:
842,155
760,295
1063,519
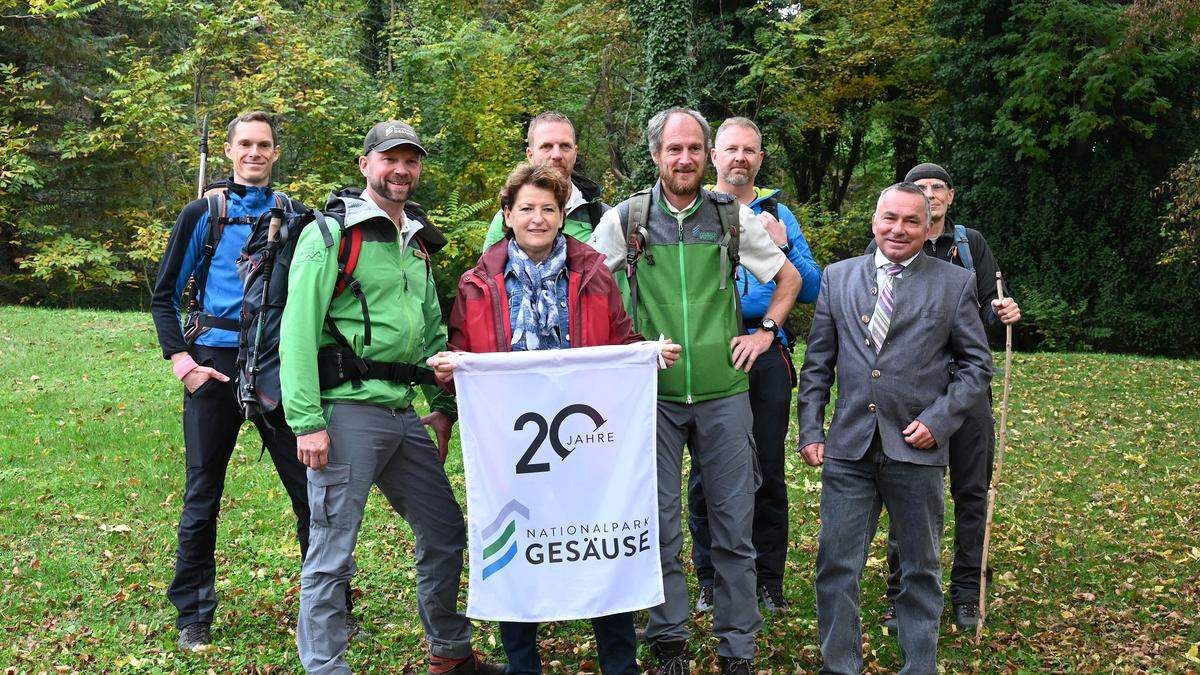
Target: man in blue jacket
203,354
737,154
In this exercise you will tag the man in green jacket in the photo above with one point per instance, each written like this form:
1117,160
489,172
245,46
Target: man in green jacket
347,347
681,261
551,139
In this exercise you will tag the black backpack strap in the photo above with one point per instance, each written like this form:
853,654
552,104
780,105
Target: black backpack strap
731,223
771,206
633,228
337,365
595,212
212,239
964,247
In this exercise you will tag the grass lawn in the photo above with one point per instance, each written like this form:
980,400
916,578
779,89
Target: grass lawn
1096,549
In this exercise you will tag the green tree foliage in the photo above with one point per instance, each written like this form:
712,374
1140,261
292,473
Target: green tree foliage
1070,126
1064,119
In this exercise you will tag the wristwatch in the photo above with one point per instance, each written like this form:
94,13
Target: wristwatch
785,246
770,326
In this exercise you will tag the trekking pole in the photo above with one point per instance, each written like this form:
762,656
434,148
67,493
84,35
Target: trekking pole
202,175
991,507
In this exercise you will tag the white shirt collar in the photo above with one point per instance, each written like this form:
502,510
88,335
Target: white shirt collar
676,211
882,260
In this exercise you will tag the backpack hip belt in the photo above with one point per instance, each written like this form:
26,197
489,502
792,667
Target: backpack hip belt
338,365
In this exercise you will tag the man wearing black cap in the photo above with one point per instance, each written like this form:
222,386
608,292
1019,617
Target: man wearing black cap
973,445
354,422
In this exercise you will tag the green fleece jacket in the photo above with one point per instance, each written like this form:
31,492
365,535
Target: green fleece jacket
406,321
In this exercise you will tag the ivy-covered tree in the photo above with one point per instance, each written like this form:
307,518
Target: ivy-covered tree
668,63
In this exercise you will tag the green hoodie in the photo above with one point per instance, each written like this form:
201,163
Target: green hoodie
406,320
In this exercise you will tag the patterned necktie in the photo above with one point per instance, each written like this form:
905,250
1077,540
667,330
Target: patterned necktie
882,317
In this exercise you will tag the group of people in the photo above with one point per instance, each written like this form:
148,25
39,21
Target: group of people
715,269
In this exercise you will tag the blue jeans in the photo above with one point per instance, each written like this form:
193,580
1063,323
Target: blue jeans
852,494
615,643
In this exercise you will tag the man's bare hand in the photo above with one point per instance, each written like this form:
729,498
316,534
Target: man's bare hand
1007,310
200,375
670,352
441,425
918,435
443,367
312,449
813,454
776,229
747,348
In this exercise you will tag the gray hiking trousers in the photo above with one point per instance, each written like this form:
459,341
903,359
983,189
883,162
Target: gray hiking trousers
372,444
718,434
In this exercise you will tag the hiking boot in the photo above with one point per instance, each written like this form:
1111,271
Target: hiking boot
704,600
472,665
889,618
966,615
195,636
732,666
772,599
672,657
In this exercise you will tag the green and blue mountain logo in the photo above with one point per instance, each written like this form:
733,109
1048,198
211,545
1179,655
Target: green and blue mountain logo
499,538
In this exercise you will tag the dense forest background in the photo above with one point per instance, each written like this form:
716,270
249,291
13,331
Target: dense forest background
1071,127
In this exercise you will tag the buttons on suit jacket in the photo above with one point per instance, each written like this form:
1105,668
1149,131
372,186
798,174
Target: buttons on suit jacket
870,407
875,374
865,318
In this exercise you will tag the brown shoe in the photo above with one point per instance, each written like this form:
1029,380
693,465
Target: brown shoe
471,665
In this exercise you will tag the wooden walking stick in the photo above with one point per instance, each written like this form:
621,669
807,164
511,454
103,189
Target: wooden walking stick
991,507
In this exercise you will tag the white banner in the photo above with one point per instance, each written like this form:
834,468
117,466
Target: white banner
562,505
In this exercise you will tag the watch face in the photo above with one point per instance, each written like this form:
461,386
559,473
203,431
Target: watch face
768,324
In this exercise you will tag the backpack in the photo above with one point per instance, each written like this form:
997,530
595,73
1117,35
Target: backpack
196,321
963,248
264,265
633,226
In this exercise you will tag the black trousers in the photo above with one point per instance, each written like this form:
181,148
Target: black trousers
211,420
616,645
771,381
972,451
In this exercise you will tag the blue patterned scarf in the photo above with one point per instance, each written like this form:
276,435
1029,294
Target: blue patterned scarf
537,312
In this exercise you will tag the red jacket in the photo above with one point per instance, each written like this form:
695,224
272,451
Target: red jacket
480,322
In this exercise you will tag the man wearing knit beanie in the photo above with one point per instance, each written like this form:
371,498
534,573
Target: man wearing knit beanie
972,447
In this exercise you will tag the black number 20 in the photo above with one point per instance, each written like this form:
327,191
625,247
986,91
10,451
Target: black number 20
523,465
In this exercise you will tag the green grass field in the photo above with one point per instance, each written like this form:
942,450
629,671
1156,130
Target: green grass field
1096,547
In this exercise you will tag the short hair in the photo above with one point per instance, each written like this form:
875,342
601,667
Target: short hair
546,118
744,122
910,188
540,174
656,125
252,116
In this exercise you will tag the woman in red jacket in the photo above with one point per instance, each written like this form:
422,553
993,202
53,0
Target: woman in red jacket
538,289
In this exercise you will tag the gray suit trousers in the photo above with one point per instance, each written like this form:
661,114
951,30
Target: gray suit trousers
852,494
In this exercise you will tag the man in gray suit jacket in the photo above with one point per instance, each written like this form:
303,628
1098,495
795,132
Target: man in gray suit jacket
903,332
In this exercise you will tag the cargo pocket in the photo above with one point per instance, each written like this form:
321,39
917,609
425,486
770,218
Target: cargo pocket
327,492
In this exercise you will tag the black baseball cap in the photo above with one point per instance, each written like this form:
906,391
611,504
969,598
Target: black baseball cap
390,134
